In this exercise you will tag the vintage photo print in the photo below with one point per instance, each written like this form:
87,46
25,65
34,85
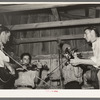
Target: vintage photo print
49,49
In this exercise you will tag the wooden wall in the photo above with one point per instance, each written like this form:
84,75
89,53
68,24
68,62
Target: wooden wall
44,48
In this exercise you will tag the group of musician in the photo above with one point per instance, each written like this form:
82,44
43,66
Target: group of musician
23,76
77,73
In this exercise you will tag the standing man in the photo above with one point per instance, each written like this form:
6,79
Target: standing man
4,60
91,35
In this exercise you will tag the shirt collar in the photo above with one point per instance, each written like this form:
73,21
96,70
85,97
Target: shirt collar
95,40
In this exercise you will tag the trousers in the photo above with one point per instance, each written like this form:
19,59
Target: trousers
6,79
92,77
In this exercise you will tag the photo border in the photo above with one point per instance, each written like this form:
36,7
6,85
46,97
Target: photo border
54,92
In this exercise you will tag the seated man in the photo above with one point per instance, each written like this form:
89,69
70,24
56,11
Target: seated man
72,74
27,75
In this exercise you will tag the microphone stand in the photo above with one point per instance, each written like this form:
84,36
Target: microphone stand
60,67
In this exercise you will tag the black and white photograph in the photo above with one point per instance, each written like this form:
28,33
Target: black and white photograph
49,46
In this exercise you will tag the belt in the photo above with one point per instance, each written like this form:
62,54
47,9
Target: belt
28,86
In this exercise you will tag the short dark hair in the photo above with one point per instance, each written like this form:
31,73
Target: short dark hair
26,54
92,28
4,28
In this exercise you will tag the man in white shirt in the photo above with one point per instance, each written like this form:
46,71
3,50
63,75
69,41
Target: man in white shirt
28,75
91,35
4,60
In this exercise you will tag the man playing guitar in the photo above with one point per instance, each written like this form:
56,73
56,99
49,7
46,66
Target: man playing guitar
91,35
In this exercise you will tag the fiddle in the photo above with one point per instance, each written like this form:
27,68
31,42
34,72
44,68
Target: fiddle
32,67
35,67
28,67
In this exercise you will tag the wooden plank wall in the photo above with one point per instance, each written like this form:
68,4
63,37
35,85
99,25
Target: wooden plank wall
45,48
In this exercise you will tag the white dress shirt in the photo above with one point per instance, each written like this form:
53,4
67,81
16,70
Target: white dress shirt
3,57
96,52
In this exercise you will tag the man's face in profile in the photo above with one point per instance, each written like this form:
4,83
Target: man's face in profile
88,35
5,36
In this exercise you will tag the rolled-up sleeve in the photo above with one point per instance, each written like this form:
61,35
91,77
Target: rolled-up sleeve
96,53
96,61
4,57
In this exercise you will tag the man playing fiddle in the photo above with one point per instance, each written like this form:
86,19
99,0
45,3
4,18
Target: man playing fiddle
27,75
4,60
